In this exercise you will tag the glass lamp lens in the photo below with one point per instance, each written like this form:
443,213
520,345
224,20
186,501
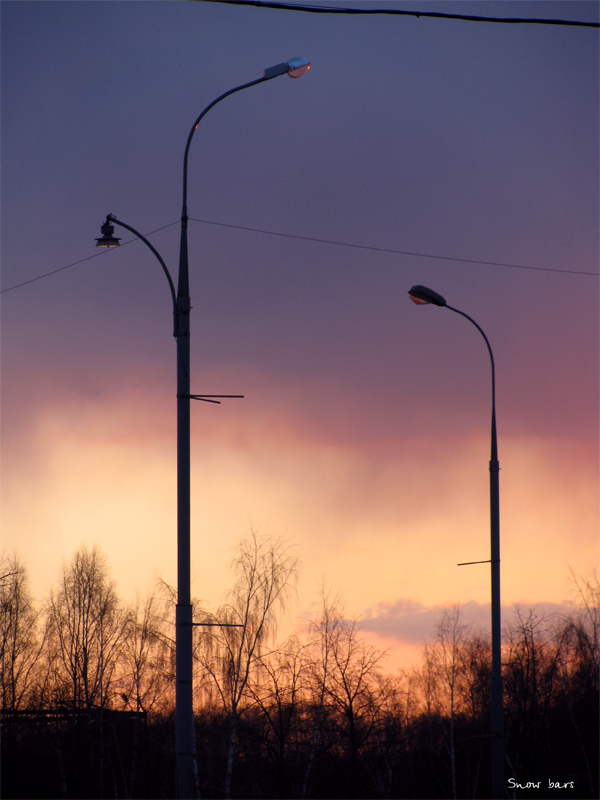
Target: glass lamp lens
297,66
296,73
107,241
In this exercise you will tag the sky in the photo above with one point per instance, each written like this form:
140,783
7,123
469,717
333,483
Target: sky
413,150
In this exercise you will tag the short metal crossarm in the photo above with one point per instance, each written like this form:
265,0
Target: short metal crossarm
217,624
210,398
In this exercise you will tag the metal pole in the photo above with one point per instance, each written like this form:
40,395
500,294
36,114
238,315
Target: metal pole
184,706
185,748
496,701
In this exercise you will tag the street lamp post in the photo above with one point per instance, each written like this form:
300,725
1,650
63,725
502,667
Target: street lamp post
184,709
421,295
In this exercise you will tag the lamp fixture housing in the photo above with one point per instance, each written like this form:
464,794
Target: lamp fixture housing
108,239
422,296
295,67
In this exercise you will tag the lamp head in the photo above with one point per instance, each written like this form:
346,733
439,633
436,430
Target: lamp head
107,239
295,67
421,295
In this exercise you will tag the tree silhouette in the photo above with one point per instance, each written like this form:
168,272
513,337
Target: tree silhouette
19,648
231,649
85,632
90,700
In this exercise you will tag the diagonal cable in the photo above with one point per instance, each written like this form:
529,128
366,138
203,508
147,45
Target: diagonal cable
390,250
81,261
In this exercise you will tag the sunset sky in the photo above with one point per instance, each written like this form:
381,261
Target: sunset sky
413,149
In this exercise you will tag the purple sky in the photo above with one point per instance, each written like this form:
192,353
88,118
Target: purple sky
364,435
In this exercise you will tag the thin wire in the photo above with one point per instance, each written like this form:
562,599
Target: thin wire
313,239
397,252
398,12
81,261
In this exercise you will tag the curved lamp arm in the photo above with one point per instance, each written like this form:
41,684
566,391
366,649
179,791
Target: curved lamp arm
295,67
421,295
193,131
110,241
494,438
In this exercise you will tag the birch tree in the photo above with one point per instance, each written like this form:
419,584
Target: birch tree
278,695
356,696
531,685
19,649
86,629
322,632
579,669
145,683
443,684
450,640
231,648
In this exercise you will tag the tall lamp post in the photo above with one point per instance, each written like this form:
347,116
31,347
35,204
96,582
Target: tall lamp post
184,710
421,295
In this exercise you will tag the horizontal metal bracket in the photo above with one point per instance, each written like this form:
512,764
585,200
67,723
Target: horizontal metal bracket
210,398
217,624
466,563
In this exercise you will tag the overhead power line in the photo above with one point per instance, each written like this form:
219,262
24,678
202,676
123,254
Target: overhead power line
393,251
81,261
399,12
52,272
396,252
